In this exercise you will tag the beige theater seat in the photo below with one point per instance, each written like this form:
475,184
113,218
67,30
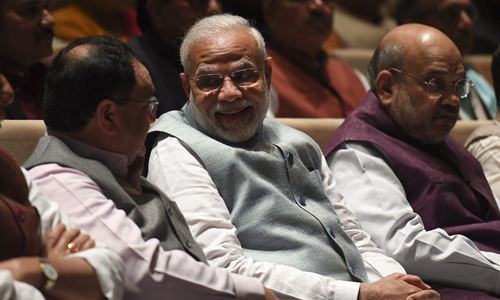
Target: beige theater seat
19,137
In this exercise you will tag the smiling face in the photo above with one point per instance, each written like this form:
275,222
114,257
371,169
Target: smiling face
25,31
231,111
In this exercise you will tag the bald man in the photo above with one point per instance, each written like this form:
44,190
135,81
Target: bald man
417,192
455,18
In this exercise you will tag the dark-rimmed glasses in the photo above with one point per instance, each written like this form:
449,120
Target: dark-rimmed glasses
437,87
211,82
153,102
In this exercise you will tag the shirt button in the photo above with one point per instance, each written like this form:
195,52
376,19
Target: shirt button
21,73
188,244
289,158
302,201
17,90
121,162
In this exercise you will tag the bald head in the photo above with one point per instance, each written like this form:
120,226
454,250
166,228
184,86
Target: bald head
409,44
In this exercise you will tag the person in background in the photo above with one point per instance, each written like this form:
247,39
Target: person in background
418,193
455,18
26,35
360,24
484,142
41,254
84,18
163,23
90,164
309,84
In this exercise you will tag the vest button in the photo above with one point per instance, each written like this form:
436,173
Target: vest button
330,231
302,201
289,158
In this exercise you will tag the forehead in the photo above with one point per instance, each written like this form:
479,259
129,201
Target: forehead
224,51
438,58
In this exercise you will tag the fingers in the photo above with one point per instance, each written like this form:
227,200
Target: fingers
425,295
54,235
415,280
83,242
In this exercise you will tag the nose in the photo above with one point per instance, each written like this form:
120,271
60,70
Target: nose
465,21
229,91
449,97
213,7
324,6
48,22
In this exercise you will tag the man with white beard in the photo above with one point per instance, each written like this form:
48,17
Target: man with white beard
258,195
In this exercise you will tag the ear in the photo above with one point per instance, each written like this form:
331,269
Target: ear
268,12
185,83
107,117
268,70
155,9
386,87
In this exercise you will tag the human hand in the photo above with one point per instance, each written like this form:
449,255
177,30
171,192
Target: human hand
25,269
60,242
269,295
397,287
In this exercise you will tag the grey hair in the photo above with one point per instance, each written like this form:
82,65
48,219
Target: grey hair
385,57
215,26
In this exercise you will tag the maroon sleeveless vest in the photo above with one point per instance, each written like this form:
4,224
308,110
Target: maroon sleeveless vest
444,184
19,221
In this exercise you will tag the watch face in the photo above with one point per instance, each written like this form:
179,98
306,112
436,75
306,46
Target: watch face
49,271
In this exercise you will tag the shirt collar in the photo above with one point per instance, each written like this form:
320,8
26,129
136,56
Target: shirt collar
128,177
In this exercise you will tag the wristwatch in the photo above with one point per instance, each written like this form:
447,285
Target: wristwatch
50,273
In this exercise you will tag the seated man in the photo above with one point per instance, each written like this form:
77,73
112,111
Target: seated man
455,19
39,252
419,194
309,84
258,195
163,23
26,38
484,142
91,161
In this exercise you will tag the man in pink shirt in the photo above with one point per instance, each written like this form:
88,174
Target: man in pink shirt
99,106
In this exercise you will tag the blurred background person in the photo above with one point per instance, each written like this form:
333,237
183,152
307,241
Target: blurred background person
309,83
26,34
163,23
84,18
360,24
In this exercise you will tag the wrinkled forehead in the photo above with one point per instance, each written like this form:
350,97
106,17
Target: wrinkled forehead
229,51
434,57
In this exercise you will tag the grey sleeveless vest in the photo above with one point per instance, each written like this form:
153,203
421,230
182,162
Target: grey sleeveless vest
155,214
272,187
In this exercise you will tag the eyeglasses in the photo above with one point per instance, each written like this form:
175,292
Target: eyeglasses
153,103
211,82
437,86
